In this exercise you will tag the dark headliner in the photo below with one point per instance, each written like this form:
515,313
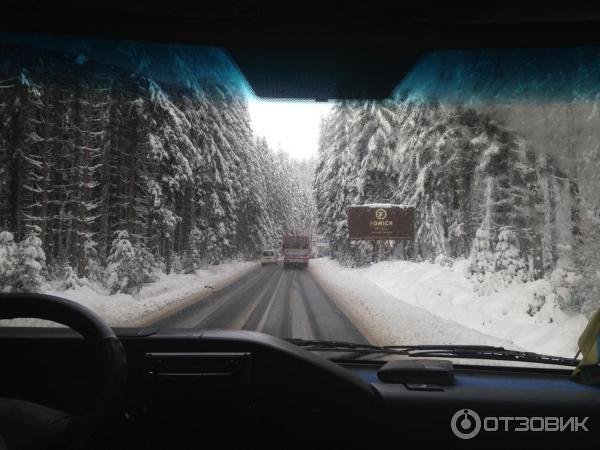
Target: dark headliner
315,49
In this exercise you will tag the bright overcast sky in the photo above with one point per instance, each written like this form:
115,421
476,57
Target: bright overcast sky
291,125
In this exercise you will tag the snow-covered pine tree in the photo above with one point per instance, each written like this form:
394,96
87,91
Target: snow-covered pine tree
195,258
373,148
145,267
69,278
8,261
25,153
120,276
236,122
270,210
252,229
336,181
173,153
8,89
91,117
586,292
222,208
304,171
510,265
44,188
94,270
482,265
64,188
30,262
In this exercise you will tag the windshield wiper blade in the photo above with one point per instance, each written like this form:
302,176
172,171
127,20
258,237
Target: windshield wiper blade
447,347
356,349
433,351
311,344
497,353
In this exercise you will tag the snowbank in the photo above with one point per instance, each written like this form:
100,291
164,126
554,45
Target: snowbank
384,319
524,315
167,294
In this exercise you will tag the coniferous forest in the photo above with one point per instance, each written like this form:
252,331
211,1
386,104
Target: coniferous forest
110,174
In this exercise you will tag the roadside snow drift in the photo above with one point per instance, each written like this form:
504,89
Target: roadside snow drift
381,300
167,294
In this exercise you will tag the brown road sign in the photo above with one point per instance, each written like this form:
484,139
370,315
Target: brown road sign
381,222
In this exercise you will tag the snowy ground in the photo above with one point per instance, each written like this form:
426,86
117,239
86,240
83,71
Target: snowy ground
381,299
154,300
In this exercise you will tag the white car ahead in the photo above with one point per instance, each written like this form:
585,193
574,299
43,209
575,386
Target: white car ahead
269,257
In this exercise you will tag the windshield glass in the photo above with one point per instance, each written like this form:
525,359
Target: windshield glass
141,179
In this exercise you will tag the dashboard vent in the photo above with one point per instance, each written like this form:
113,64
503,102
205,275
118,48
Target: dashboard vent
175,367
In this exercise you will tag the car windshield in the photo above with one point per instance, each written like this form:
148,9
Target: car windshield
140,179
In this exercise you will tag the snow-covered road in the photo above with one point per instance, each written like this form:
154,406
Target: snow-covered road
392,302
287,303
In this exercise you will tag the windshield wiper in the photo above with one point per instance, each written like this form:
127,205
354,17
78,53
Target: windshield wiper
313,344
497,353
433,351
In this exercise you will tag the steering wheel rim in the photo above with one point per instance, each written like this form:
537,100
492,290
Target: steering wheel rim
80,430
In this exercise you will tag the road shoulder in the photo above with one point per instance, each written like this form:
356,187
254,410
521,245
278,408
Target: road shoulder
210,286
166,296
384,319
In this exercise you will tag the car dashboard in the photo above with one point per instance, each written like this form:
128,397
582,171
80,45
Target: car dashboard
250,390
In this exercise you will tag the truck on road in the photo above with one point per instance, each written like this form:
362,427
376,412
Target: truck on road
296,250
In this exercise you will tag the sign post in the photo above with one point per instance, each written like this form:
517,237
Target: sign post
381,222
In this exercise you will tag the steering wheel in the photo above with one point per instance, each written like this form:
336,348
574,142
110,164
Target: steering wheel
31,426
